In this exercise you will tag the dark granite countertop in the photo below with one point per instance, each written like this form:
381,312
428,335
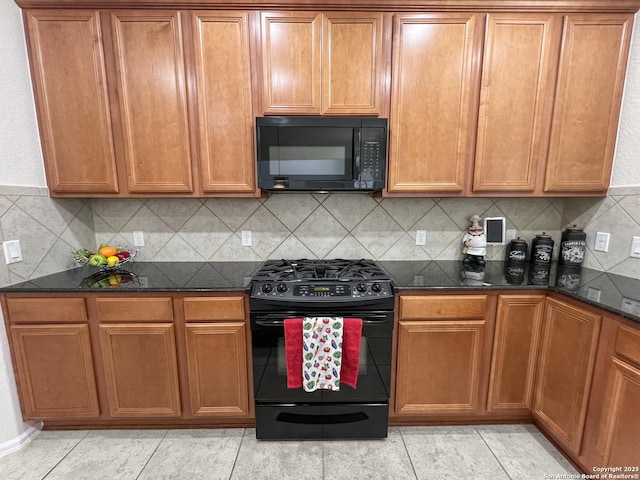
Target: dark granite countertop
613,293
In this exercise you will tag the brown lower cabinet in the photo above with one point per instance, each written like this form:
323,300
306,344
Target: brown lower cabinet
141,369
515,352
54,371
123,358
441,354
565,367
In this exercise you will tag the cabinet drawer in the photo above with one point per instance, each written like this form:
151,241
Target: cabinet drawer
443,306
213,308
134,309
628,344
46,310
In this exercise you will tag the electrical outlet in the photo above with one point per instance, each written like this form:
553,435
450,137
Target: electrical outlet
635,247
594,294
246,238
12,251
138,239
421,237
602,242
418,280
630,305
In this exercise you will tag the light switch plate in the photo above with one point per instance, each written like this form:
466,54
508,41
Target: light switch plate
635,247
138,239
12,251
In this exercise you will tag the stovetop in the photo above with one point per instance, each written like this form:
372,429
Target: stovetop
325,270
308,280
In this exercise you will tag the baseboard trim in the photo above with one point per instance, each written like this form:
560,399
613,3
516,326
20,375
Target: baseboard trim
19,442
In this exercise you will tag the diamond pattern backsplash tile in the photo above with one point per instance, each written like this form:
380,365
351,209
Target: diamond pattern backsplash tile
295,226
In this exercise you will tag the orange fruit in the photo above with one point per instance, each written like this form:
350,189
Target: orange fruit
107,251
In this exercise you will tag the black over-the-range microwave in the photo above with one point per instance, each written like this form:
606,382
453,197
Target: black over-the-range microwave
328,154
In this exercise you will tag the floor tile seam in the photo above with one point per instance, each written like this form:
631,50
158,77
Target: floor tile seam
166,432
492,452
406,449
235,460
66,455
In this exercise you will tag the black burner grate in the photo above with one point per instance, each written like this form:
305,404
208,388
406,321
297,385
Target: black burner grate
305,269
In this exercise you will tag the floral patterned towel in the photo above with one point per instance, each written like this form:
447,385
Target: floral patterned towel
322,353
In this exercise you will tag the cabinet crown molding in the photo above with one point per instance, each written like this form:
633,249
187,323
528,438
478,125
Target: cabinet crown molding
378,5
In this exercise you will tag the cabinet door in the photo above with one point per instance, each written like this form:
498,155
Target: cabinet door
587,106
438,368
223,75
140,369
619,432
54,371
68,72
291,63
217,365
520,62
352,70
565,367
515,351
434,101
153,100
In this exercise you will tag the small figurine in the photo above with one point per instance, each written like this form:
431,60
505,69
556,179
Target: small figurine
474,245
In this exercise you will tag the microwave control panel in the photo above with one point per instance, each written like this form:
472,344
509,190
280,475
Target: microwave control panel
372,155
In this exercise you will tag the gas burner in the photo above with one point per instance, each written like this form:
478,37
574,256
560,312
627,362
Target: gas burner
306,269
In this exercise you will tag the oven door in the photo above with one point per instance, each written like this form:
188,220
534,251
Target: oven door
269,364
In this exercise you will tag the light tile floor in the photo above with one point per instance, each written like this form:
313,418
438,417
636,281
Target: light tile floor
466,452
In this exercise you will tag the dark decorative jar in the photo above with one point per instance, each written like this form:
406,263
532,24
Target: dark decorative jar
572,247
517,251
542,249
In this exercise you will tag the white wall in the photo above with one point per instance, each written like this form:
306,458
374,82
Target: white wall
20,164
626,167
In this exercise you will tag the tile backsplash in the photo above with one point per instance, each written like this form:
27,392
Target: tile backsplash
299,225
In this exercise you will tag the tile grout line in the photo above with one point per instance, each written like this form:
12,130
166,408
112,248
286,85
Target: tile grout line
166,432
235,460
475,427
415,474
66,455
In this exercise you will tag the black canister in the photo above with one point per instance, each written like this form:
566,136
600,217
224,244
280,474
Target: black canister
517,251
514,272
542,249
539,274
568,278
572,247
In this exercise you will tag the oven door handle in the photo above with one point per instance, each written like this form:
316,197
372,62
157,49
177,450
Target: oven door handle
278,320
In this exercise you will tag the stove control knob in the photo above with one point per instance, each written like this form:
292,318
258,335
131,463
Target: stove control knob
361,287
376,287
266,288
282,288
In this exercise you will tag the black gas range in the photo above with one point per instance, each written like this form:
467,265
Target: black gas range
283,289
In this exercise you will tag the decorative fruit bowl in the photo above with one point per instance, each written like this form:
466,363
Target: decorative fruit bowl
107,258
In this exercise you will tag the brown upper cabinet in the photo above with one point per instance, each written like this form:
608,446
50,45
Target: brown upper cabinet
150,103
514,120
149,60
591,76
322,63
70,87
433,101
223,78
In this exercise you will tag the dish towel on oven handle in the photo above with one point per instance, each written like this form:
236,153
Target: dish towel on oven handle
322,352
